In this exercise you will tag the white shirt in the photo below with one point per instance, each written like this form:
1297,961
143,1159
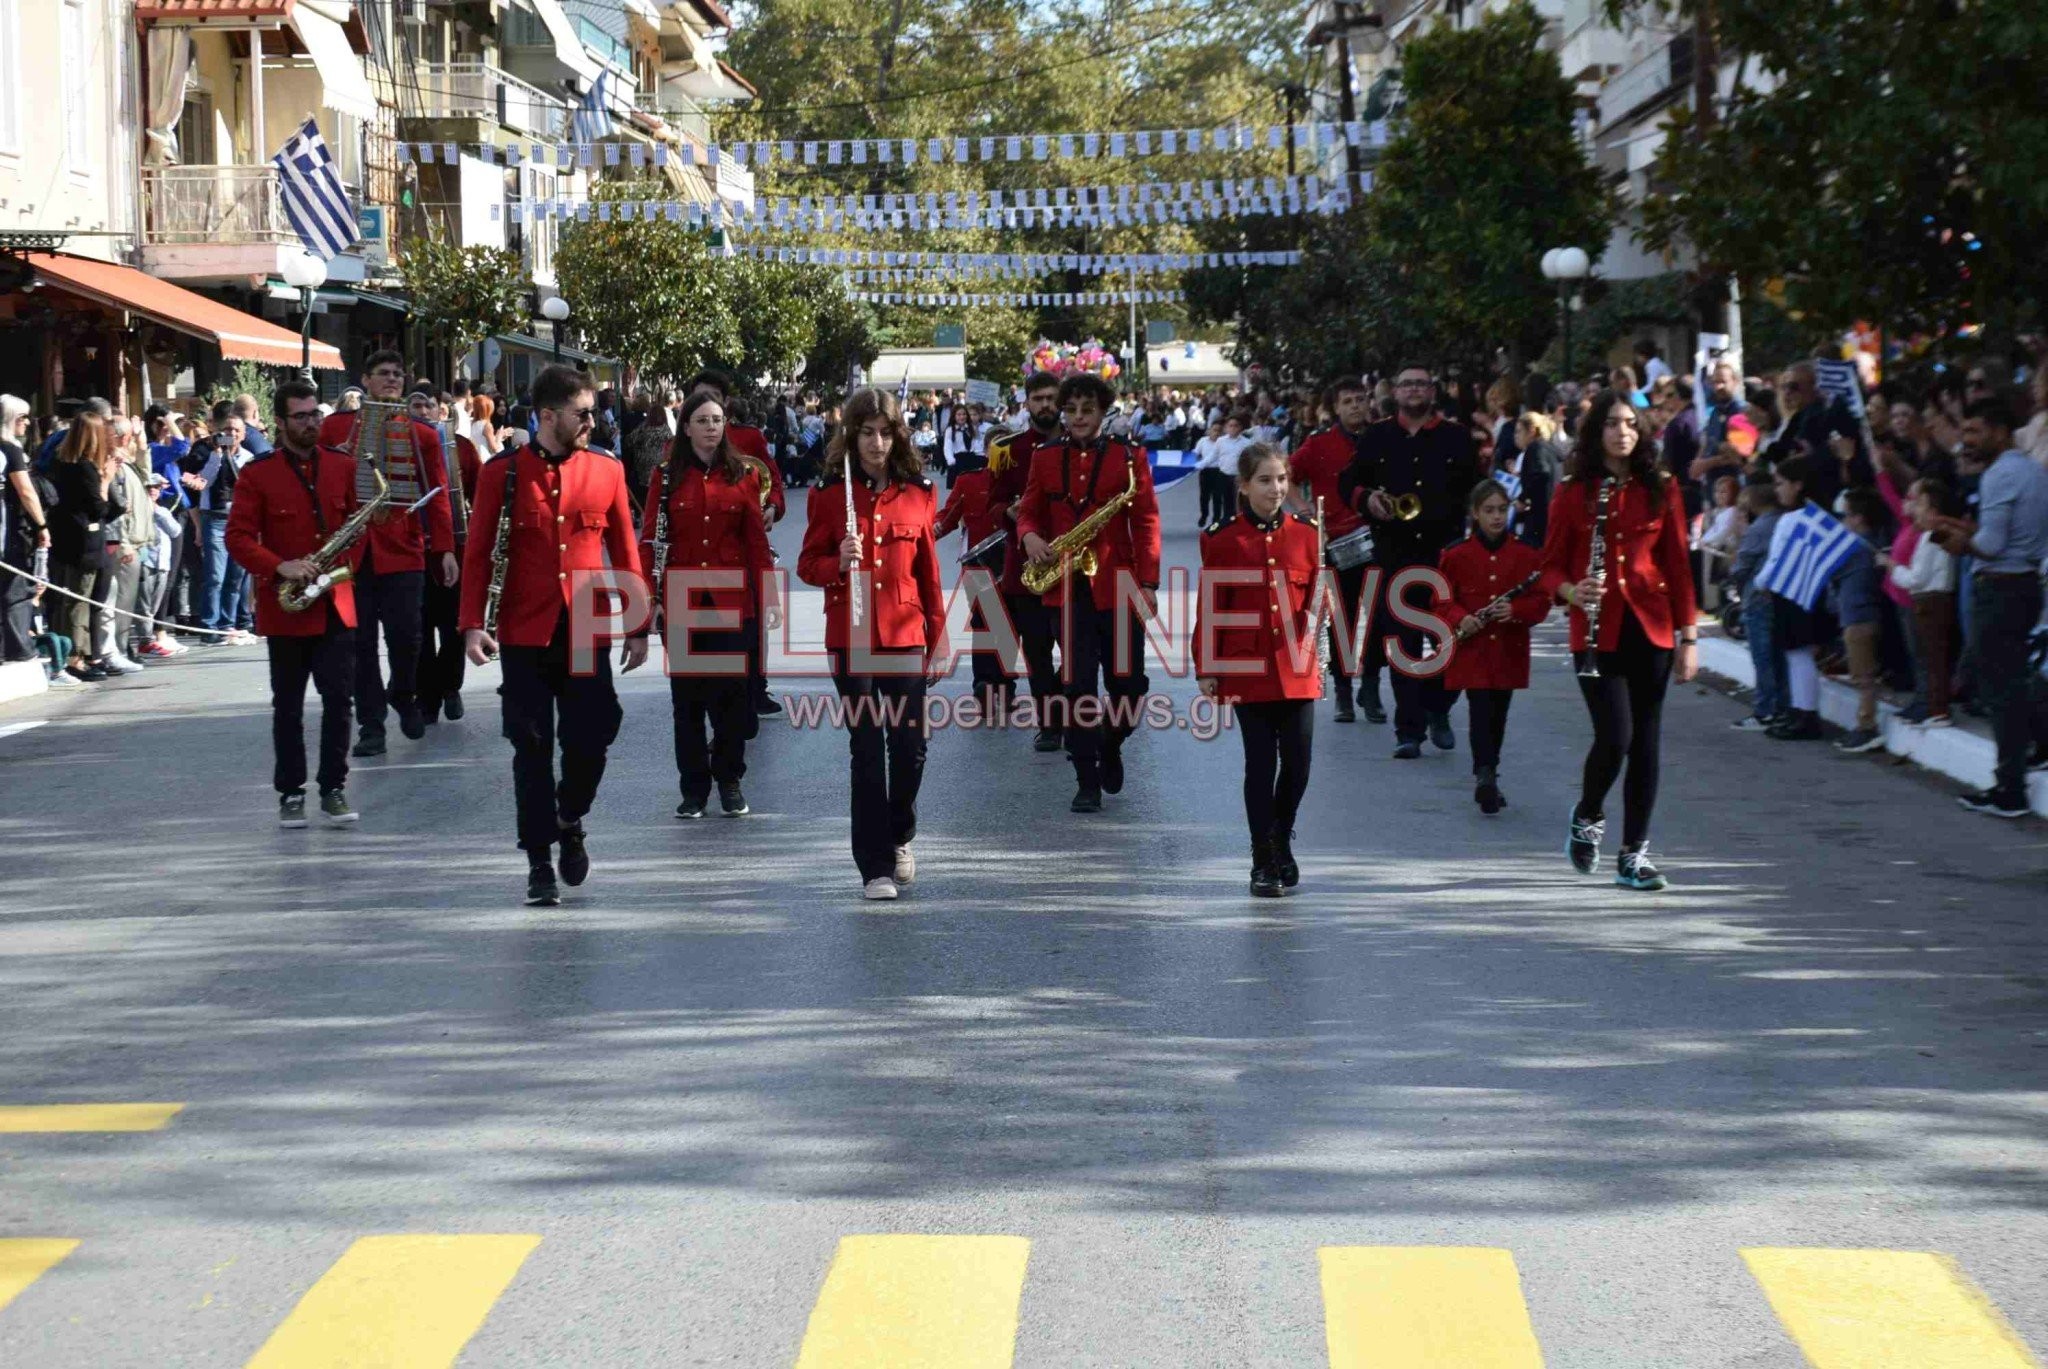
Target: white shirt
1932,571
1654,370
1225,450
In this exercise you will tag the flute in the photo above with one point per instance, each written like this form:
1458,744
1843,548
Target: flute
853,611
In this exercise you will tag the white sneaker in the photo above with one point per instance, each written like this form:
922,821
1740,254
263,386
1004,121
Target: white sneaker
127,661
119,665
879,888
906,866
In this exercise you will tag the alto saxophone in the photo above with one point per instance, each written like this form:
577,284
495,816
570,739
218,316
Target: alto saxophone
297,596
1075,546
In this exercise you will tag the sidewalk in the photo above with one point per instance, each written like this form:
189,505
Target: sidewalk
1963,753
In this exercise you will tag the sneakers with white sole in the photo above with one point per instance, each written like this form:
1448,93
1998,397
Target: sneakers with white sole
880,888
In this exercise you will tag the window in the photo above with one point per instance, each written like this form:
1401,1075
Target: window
10,76
77,69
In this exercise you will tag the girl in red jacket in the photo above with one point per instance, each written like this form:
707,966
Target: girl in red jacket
1264,661
882,666
1496,597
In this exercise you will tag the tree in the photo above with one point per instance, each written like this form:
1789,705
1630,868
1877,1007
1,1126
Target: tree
463,294
1883,162
778,306
644,289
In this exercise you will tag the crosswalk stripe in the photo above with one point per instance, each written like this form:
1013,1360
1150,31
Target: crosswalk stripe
88,1117
399,1302
1423,1307
24,1259
918,1302
1871,1309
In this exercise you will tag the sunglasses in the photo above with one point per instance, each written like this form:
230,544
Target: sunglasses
582,416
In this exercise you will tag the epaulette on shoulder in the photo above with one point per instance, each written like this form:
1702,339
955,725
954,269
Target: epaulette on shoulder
1217,526
1301,517
924,482
501,456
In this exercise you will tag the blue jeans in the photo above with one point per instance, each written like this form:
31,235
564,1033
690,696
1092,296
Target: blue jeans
214,569
1759,630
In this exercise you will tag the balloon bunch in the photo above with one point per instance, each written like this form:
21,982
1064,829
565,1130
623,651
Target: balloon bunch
1065,359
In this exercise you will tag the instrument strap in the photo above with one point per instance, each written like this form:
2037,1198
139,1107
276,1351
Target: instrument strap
1087,499
312,487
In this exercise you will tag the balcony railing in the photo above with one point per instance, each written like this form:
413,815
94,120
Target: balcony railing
683,114
470,88
236,205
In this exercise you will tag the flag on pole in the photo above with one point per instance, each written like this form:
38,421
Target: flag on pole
593,118
1807,547
315,200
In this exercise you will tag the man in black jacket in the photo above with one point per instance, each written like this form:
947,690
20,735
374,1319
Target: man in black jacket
1413,453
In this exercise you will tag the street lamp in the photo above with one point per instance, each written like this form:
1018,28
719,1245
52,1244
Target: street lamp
555,309
306,273
1566,265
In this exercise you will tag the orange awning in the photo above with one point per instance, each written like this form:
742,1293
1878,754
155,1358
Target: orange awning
240,336
211,11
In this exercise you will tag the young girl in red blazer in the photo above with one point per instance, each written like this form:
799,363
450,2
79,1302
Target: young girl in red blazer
1264,661
881,667
1642,602
1496,597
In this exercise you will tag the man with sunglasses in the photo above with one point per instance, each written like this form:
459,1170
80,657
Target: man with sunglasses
570,518
390,582
1815,421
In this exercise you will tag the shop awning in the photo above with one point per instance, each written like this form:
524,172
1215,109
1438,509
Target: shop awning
926,368
240,336
546,347
212,11
343,87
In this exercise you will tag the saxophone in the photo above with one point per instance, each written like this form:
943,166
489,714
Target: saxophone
1075,547
299,595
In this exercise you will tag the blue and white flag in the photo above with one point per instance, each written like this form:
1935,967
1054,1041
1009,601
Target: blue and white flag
593,118
1838,381
1807,547
1512,483
315,200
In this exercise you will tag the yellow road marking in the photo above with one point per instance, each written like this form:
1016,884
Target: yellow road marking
1872,1309
918,1302
24,1259
1425,1307
398,1302
89,1117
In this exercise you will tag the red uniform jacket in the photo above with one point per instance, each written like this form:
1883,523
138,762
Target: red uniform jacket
1497,655
907,605
1009,467
272,521
566,516
713,523
754,442
1287,546
1649,570
971,506
1320,462
403,541
1067,481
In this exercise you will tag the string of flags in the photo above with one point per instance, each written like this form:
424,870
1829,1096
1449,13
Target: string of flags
1024,301
1020,263
1313,137
936,275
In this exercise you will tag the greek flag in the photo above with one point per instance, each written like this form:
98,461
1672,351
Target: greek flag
1807,547
315,200
1512,483
593,119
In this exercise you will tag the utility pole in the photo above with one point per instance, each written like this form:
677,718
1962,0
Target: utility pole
1717,311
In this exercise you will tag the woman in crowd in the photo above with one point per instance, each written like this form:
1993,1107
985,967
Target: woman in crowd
1268,672
79,532
960,440
1534,464
703,517
1631,621
883,662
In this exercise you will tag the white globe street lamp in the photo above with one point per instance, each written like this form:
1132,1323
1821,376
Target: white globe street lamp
306,273
555,309
1566,265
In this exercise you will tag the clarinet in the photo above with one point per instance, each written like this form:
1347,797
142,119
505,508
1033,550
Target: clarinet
1596,569
1319,617
501,547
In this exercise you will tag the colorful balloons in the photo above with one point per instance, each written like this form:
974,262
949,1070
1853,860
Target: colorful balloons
1066,359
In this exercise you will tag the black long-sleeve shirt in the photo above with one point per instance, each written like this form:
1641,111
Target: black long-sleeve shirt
1436,463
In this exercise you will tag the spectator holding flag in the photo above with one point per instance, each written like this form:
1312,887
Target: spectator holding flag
1806,548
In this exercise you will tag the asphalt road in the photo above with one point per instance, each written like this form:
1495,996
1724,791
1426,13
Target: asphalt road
1216,1131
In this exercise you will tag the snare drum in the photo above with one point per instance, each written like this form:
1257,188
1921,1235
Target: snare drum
1352,549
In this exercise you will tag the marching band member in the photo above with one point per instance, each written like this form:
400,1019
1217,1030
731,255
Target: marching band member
1632,611
442,664
1317,467
712,522
971,506
1275,704
1068,481
750,441
395,554
903,622
1009,465
287,504
1416,455
568,513
1496,597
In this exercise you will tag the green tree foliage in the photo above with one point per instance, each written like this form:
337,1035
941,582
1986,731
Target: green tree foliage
1883,160
464,294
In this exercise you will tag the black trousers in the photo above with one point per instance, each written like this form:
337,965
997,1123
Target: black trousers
757,666
545,702
1627,706
717,702
329,661
2003,611
1489,725
1218,493
990,670
442,664
1038,629
886,738
389,600
1277,736
1416,702
1089,669
17,617
1350,587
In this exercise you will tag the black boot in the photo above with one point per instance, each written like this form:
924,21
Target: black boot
1265,877
1283,858
1487,792
1088,788
541,889
1345,713
1369,698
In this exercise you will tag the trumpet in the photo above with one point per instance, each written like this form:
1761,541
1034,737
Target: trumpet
1407,506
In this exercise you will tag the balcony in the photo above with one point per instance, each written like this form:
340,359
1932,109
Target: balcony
1591,48
472,89
218,223
1647,83
681,112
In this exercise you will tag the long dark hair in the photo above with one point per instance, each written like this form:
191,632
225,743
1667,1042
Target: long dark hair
1589,454
904,462
725,461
